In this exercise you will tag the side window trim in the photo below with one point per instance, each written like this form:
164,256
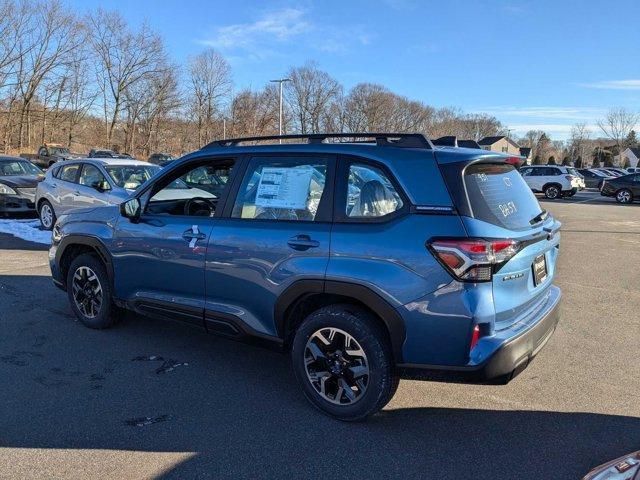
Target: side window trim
342,186
325,209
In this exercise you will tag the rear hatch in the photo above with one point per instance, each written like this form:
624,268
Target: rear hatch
495,203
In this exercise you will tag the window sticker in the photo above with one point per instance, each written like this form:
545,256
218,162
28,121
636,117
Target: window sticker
284,187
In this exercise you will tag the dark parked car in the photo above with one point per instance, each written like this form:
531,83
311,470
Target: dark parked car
162,159
48,154
102,153
592,178
364,260
18,181
625,189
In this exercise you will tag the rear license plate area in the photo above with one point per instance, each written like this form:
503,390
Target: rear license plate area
539,270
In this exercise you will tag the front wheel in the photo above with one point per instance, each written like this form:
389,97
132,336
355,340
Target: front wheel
89,292
343,362
624,196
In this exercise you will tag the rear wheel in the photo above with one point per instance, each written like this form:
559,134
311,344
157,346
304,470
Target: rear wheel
552,191
47,215
89,292
343,362
624,196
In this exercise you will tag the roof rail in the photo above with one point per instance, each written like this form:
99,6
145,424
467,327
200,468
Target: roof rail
401,140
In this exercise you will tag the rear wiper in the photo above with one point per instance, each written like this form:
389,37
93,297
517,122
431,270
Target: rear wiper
542,216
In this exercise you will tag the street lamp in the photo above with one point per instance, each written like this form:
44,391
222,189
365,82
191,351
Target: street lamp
280,81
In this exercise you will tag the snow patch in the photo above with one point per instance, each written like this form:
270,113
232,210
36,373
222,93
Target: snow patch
26,229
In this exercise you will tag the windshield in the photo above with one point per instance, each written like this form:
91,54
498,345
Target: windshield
131,176
17,167
498,194
574,171
58,151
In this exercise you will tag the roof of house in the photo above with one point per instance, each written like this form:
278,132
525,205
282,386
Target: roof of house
468,144
525,151
446,141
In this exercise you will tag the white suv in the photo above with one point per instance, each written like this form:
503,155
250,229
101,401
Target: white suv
554,181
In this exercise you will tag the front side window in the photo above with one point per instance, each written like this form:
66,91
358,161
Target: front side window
209,178
175,197
281,189
370,193
68,173
92,176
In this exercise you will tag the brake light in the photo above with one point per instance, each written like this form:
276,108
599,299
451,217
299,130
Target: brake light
473,260
515,161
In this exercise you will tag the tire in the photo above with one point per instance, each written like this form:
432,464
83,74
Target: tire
624,196
47,215
552,191
571,193
85,270
375,388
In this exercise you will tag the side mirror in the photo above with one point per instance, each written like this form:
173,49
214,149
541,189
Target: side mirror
100,185
131,209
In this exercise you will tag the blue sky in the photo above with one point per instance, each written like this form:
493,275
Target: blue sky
533,64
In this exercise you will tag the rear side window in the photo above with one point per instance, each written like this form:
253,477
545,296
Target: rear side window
370,193
282,189
498,194
68,173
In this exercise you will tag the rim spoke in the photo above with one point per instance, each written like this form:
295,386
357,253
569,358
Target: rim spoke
316,353
359,371
87,292
351,395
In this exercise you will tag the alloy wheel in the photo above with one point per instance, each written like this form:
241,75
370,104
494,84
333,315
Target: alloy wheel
336,366
624,196
552,192
87,292
46,215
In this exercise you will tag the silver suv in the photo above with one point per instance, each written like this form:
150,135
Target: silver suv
88,183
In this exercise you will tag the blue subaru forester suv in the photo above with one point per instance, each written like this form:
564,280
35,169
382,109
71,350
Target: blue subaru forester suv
366,256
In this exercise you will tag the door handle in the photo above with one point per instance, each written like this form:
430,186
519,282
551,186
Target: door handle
193,235
302,242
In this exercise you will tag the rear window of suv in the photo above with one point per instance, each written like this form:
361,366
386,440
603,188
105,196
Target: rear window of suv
498,194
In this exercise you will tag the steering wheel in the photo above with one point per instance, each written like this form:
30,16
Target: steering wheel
207,207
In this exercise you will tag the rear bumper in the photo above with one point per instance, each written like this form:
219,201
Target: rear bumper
505,354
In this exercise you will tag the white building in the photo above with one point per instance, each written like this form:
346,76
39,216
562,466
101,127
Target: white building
633,154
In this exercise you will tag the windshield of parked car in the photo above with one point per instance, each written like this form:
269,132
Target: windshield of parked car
131,176
17,167
574,171
59,151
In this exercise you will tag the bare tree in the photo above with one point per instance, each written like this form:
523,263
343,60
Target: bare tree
51,35
311,95
256,113
209,84
617,125
124,57
579,144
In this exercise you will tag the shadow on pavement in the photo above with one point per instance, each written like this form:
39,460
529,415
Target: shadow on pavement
9,242
240,411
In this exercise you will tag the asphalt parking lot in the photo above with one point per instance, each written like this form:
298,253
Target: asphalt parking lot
71,397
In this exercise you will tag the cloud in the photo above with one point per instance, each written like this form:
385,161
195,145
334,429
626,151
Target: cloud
631,84
277,26
566,113
558,130
267,35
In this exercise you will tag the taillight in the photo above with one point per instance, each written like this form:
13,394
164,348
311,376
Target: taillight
473,260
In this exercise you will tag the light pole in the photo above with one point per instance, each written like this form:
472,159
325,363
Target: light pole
280,81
